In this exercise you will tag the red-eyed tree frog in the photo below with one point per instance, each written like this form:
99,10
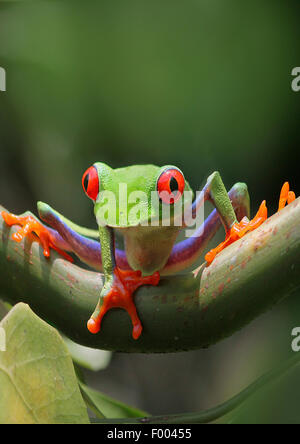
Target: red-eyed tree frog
150,249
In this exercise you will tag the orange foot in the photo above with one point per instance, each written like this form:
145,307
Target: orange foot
239,229
30,225
120,295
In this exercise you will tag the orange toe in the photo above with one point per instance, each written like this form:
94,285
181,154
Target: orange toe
93,326
283,196
286,196
291,197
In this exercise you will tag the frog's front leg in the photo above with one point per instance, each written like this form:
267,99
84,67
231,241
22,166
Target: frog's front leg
119,286
230,208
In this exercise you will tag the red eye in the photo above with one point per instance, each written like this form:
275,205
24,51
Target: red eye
170,185
90,183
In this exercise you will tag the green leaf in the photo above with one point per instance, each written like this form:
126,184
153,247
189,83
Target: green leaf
37,377
107,407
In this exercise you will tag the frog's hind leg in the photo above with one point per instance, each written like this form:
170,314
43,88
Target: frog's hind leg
62,237
239,229
79,238
47,237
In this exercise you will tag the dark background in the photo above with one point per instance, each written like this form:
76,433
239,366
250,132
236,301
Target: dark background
202,84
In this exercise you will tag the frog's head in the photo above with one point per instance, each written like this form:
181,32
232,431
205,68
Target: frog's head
135,195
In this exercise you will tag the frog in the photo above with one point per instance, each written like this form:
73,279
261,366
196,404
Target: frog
125,206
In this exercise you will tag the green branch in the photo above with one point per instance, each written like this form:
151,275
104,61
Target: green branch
184,312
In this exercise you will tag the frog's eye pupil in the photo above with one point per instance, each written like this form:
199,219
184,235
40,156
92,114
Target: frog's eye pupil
90,183
170,185
173,184
86,182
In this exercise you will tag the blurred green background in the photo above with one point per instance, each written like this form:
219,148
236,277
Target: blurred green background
202,84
